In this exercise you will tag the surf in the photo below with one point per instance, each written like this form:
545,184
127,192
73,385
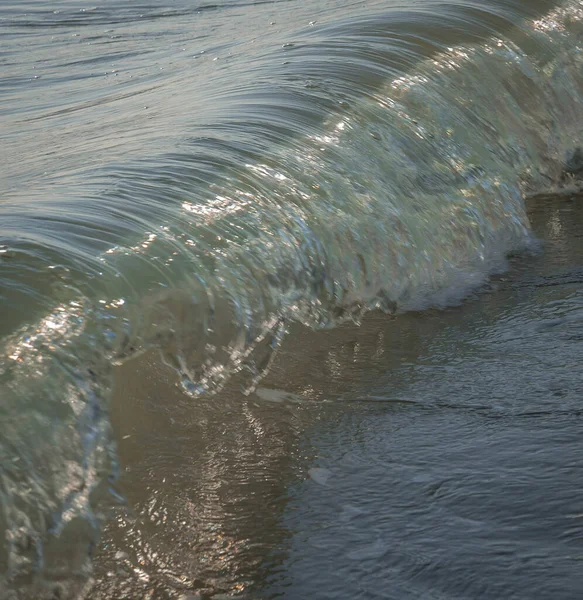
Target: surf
315,207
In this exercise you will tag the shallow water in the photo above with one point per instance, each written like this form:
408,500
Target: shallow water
432,455
186,187
456,473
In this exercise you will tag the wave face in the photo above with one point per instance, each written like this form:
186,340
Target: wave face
193,180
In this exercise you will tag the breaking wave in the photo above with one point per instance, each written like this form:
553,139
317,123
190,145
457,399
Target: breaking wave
393,177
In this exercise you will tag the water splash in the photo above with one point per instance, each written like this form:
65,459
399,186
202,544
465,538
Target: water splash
406,196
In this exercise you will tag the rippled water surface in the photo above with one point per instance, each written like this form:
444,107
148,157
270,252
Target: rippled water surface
434,455
190,194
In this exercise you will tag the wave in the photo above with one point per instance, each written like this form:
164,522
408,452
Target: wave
314,205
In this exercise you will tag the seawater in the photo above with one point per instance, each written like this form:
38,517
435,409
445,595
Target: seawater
183,185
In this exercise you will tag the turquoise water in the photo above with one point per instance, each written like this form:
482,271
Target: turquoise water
183,186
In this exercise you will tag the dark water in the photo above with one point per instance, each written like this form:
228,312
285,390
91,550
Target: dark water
192,186
456,473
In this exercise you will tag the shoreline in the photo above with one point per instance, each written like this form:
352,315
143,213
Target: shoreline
187,456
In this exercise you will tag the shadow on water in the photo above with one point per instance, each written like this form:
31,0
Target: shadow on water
427,455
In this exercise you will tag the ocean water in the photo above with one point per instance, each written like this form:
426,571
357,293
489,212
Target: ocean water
199,204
